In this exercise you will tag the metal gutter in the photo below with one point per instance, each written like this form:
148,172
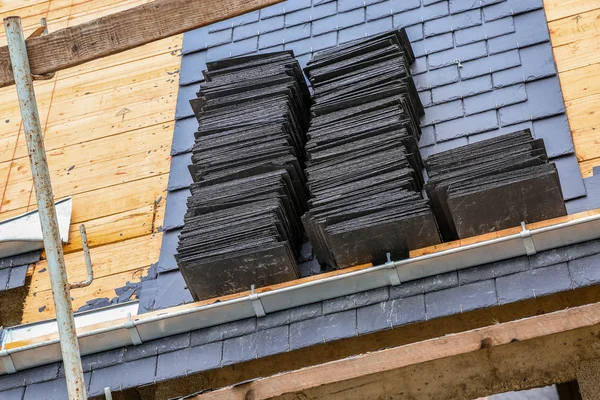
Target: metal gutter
145,327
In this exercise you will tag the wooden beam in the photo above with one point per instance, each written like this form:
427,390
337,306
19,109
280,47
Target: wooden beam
122,31
515,355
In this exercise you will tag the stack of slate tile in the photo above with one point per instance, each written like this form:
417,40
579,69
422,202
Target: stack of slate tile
363,162
243,224
493,184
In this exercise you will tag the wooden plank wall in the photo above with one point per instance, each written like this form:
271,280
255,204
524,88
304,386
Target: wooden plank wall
575,34
108,127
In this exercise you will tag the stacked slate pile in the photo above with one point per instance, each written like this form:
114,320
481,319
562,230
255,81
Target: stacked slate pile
243,223
364,168
493,184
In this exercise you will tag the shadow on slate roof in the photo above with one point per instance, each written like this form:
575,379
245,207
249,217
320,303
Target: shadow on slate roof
484,68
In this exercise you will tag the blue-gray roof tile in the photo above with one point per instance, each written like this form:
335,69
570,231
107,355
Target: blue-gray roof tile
495,99
460,299
311,14
571,181
442,112
459,90
457,55
364,30
123,376
483,32
537,62
390,314
338,21
453,23
442,76
256,28
510,7
466,126
182,179
322,329
391,7
235,21
533,283
183,135
187,361
530,29
556,134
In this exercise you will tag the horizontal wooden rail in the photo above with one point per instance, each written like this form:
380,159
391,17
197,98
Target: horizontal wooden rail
122,31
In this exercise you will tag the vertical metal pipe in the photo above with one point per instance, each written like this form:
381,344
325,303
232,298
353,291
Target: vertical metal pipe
45,200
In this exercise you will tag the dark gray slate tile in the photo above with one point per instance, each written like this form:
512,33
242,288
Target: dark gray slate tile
217,38
147,294
439,282
238,328
283,8
457,55
206,335
407,289
17,277
443,146
11,381
530,29
537,62
41,374
414,32
442,112
459,90
391,7
194,40
433,45
458,6
390,314
273,320
188,361
494,100
4,277
534,283
183,135
156,347
426,98
585,249
549,257
544,99
501,131
185,94
571,181
364,30
453,23
511,7
179,175
322,329
592,199
235,21
493,270
102,360
172,290
283,36
427,136
470,125
556,134
239,349
350,5
13,394
488,65
311,14
486,31
306,312
166,260
51,390
339,21
272,341
123,376
176,209
460,299
441,77
355,300
585,271
191,67
21,259
419,66
309,268
258,28
238,48
313,44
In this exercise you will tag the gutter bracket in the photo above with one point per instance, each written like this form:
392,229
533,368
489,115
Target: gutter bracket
392,271
259,310
8,362
134,334
527,240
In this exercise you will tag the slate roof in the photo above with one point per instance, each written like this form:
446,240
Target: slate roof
484,68
13,270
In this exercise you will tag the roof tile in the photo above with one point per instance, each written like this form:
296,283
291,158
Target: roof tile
458,6
186,93
440,281
453,23
238,48
183,135
355,300
256,28
339,21
426,98
457,55
488,30
166,260
433,45
487,65
510,7
537,62
51,390
470,125
364,30
442,76
235,21
419,66
390,314
533,283
311,14
460,299
12,394
427,136
391,7
315,43
443,146
414,32
530,29
188,361
584,249
281,37
585,271
556,134
218,38
156,347
172,290
442,112
322,329
459,90
493,270
194,40
495,99
500,131
123,376
283,8
272,341
183,179
422,14
571,181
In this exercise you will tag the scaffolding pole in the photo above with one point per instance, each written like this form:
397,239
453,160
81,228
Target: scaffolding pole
47,212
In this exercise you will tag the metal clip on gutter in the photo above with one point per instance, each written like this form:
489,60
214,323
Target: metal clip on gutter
392,271
527,240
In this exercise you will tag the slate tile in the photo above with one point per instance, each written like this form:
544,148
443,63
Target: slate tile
511,7
339,21
585,271
104,359
537,62
499,132
390,314
311,14
273,320
238,328
549,257
544,99
179,176
556,134
188,361
365,30
41,374
470,125
569,173
12,381
488,65
283,8
313,44
433,45
426,98
349,5
453,22
147,296
303,60
194,40
306,312
592,199
427,136
13,394
459,6
406,289
530,29
440,281
459,90
584,249
534,283
442,76
17,277
442,112
495,99
234,49
21,259
272,341
457,55
322,329
460,299
172,290
218,38
419,66
355,300
156,347
256,345
414,32
183,135
206,335
493,270
486,31
4,278
166,260
309,268
239,349
185,94
391,7
430,2
443,146
123,376
235,21
284,36
51,390
258,28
